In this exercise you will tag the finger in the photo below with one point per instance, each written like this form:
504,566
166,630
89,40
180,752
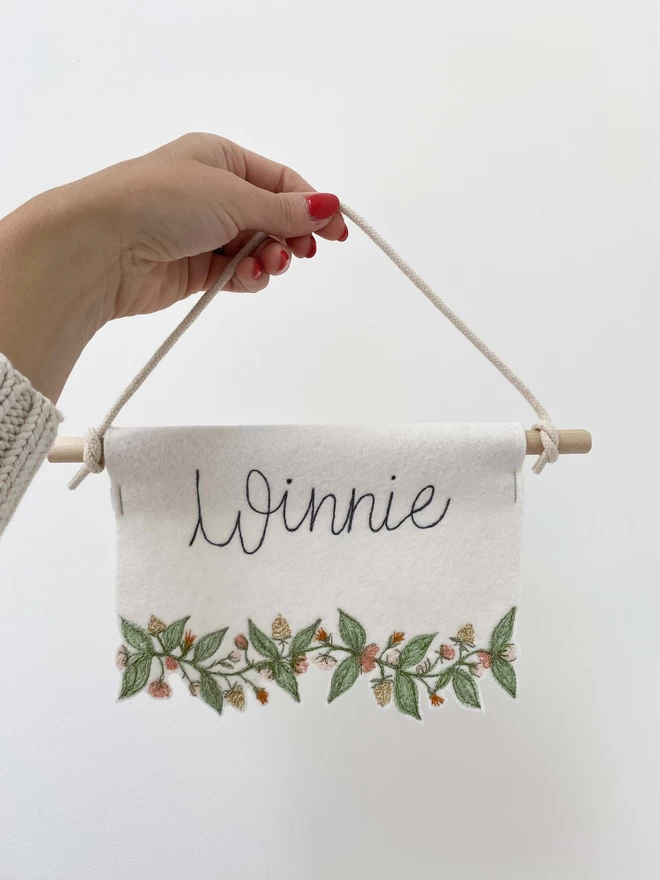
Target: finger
274,257
249,276
303,246
336,230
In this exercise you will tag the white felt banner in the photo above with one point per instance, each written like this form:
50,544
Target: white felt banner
272,565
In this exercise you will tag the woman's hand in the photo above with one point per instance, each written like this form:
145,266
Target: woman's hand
140,236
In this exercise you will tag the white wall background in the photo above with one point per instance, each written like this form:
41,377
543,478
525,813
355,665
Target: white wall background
507,150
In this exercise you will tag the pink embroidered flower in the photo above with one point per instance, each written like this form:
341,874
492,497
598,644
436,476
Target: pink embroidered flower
235,657
241,642
301,664
367,659
484,658
121,658
477,669
266,672
447,652
171,664
160,689
195,688
325,661
393,657
509,653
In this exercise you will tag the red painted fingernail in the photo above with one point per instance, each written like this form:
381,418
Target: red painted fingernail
345,235
312,250
283,261
257,270
322,205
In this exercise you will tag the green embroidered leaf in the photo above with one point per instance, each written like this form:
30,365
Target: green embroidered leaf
286,679
352,632
415,650
504,674
344,677
265,646
208,645
136,675
303,639
406,697
443,680
465,689
210,691
502,633
171,637
136,637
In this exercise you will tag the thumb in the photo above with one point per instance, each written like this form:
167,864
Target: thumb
285,215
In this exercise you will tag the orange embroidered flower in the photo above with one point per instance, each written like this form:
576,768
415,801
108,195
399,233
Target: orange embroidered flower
437,700
367,658
262,696
171,664
397,638
321,635
160,689
188,640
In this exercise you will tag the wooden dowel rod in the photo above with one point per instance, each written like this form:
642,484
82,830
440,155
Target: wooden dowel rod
571,442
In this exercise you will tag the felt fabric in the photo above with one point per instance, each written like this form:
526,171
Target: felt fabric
380,559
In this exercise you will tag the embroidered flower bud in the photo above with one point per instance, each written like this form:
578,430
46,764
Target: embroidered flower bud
436,700
383,693
188,640
241,642
484,658
262,696
281,629
300,664
121,657
266,672
235,657
236,696
321,635
447,652
466,634
156,625
160,689
509,653
171,664
424,666
195,688
396,638
367,660
325,661
393,657
477,669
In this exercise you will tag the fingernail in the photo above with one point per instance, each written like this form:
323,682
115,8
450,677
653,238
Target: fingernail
312,250
344,236
257,270
322,205
283,261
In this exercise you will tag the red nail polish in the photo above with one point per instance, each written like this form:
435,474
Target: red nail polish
257,270
344,236
312,250
322,205
283,261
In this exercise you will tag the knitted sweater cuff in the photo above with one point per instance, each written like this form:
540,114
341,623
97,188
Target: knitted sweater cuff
28,427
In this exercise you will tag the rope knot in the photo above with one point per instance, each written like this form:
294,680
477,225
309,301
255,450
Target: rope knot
550,441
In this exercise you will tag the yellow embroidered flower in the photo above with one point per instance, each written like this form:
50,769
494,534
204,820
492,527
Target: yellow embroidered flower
383,693
466,634
281,629
156,625
236,696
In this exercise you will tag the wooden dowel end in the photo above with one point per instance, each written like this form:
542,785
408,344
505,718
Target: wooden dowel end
574,441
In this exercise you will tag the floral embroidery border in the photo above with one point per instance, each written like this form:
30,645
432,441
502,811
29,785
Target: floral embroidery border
403,668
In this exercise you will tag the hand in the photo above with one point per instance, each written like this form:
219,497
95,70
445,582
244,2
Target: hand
141,235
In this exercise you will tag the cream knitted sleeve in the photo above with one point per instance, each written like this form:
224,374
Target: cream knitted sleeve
28,427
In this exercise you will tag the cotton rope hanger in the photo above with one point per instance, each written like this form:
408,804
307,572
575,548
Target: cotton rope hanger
552,441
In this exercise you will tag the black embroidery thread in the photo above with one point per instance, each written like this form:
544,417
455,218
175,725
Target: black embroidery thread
313,511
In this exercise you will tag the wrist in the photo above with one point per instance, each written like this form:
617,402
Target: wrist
56,266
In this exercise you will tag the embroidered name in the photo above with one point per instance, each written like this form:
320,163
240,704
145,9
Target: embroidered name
251,524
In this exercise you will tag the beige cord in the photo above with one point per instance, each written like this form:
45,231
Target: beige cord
93,453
